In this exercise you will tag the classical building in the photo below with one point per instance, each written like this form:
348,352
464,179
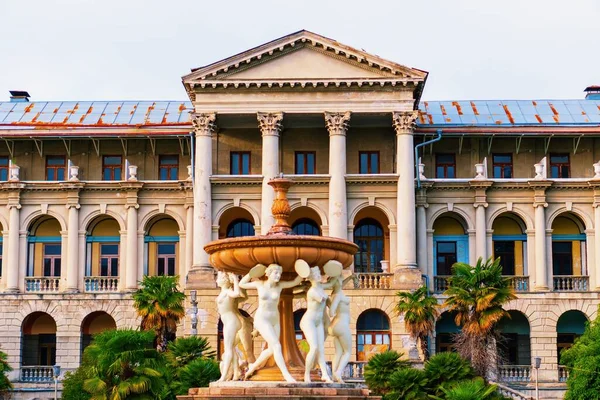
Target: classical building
99,194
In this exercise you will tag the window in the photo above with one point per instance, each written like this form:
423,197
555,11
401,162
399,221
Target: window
4,168
52,260
305,226
506,251
368,162
503,167
166,259
372,334
109,260
240,163
305,162
240,227
559,166
562,258
368,236
445,166
168,166
446,257
112,168
55,168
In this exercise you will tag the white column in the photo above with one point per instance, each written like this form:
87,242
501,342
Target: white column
596,245
131,270
73,248
480,232
204,127
189,240
12,252
404,124
422,238
337,125
541,272
270,126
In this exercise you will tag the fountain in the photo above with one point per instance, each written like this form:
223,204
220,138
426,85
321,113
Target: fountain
279,246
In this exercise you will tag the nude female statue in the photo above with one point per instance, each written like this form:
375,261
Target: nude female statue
266,318
339,329
227,305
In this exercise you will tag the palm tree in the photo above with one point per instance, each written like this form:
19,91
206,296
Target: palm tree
160,304
379,368
122,365
186,349
477,296
5,368
420,312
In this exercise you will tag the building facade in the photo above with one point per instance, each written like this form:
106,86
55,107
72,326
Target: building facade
99,194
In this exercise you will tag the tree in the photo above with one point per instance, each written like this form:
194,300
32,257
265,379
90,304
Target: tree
160,304
583,363
5,368
186,349
420,312
445,369
477,296
379,368
122,365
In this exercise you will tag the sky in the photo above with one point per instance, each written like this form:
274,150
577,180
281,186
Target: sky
140,49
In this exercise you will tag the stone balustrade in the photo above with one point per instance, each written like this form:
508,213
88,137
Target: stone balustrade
440,283
36,373
563,373
102,284
519,283
42,284
514,373
570,283
373,280
354,371
510,393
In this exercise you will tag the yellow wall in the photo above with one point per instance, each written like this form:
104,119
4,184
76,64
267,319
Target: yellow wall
164,227
49,227
107,227
564,225
447,226
506,226
99,323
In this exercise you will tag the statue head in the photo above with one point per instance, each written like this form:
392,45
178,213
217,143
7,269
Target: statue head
223,279
273,272
315,274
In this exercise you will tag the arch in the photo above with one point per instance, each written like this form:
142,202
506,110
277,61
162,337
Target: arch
227,207
232,214
373,245
569,250
90,217
450,244
445,329
37,216
240,227
389,215
3,223
514,345
524,219
509,223
584,218
306,226
304,212
154,215
464,218
570,326
161,246
373,334
38,339
93,323
567,222
509,243
320,213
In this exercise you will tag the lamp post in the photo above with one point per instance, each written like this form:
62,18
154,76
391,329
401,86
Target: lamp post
56,374
537,361
194,312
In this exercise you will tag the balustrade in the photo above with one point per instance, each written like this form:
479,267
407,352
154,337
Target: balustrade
440,283
563,373
373,280
514,373
46,284
354,371
37,374
103,284
571,283
519,283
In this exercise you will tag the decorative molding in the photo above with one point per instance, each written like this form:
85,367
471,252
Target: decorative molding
404,122
161,208
270,124
204,123
44,208
337,122
103,208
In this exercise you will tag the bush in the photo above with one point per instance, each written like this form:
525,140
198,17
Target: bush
5,368
407,384
445,369
185,349
475,389
73,385
197,373
379,369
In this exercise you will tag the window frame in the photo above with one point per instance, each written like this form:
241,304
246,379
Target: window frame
445,165
112,168
369,155
305,165
109,258
368,241
4,169
446,256
560,165
502,166
166,258
56,168
52,258
168,167
506,255
241,155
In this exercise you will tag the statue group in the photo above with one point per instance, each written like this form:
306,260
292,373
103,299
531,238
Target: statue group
326,315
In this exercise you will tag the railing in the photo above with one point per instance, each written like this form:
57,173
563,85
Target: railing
440,283
570,283
37,374
354,371
514,373
373,280
101,284
46,284
519,283
563,373
510,393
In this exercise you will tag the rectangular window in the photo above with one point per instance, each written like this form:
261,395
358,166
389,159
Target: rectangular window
368,162
4,168
109,259
446,257
503,165
445,166
52,260
506,251
166,259
55,168
305,162
559,166
112,168
240,163
168,166
562,258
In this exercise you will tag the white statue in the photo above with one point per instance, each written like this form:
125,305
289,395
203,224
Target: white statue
266,318
227,305
339,310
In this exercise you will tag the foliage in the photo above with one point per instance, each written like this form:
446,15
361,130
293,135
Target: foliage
73,384
185,349
475,389
379,369
407,384
5,368
477,295
583,363
420,312
445,369
160,304
122,365
197,373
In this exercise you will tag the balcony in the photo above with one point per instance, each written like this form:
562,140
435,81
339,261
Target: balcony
101,284
563,373
519,283
36,374
514,373
373,280
440,283
570,283
43,284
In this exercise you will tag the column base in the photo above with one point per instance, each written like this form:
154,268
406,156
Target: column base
71,291
541,289
11,290
407,278
200,277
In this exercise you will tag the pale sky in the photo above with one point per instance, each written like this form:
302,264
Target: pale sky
139,49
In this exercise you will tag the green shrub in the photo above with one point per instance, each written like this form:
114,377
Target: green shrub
379,369
445,369
197,373
5,368
407,384
73,385
185,349
475,389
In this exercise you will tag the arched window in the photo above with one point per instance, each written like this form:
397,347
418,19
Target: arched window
102,256
568,253
38,342
240,227
368,235
306,226
161,248
44,263
445,329
570,325
96,322
372,334
514,346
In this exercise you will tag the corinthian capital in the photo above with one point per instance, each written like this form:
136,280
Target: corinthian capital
337,123
204,123
269,123
405,121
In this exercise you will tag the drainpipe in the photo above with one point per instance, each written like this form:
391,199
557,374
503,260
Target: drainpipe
437,139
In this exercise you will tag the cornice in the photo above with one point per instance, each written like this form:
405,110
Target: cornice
375,179
236,180
303,180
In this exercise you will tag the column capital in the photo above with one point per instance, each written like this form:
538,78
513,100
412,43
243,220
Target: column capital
540,203
270,123
13,205
337,122
70,205
404,121
204,123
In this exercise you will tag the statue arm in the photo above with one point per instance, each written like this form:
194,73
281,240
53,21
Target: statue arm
329,284
246,284
291,284
334,305
348,279
235,293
